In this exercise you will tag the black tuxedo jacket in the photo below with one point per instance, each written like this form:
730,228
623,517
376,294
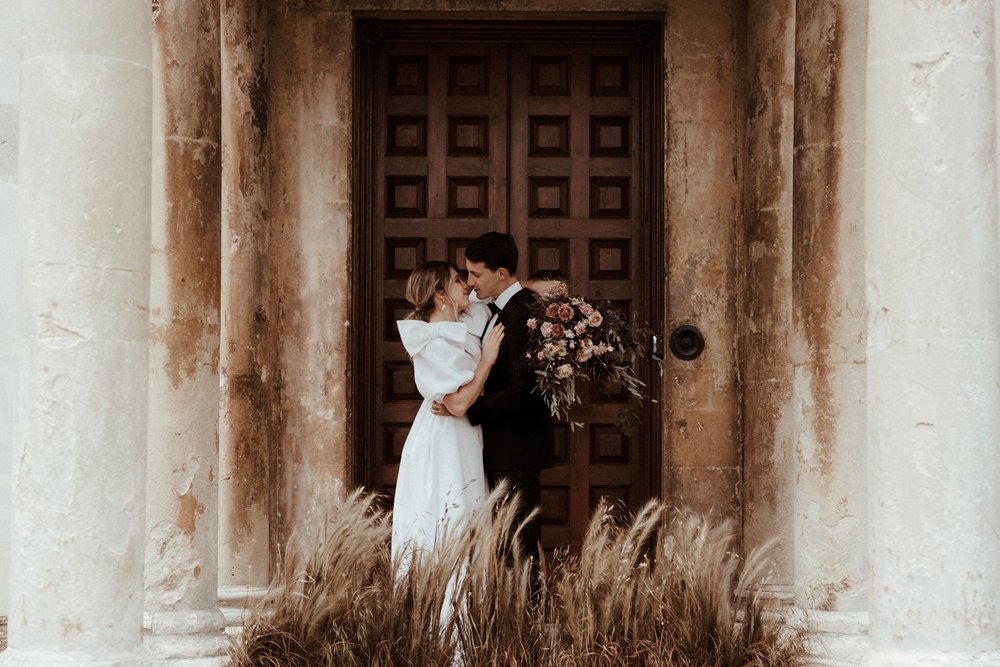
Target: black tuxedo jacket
517,424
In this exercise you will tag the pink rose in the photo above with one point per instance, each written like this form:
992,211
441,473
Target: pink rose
595,319
586,309
565,312
557,330
532,323
552,310
580,328
546,329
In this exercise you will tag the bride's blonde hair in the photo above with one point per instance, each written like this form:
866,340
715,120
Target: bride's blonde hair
428,279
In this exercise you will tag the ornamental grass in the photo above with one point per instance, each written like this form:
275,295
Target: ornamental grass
659,589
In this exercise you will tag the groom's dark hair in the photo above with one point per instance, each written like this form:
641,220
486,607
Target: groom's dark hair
494,249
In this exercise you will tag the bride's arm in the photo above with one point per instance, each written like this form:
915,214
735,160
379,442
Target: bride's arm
459,401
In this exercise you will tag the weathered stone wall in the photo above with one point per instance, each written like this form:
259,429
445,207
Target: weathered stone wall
768,425
704,234
10,265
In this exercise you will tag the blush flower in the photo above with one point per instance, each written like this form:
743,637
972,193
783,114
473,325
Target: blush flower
557,330
595,319
532,323
586,309
580,328
565,312
564,371
546,329
552,310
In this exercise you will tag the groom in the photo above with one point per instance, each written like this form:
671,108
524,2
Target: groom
517,426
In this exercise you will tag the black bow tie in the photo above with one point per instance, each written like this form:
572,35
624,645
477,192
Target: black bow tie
493,308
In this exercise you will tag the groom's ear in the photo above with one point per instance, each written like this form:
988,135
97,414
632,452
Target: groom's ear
502,273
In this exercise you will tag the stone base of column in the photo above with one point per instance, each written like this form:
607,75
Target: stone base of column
877,658
237,603
194,638
838,638
16,658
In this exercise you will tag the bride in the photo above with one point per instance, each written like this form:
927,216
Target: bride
441,478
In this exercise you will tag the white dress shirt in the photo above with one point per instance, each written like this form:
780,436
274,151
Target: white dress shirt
501,302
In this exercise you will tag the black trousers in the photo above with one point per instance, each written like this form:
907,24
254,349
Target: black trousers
528,484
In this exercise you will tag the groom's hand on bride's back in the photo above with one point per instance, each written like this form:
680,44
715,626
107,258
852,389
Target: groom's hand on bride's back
440,409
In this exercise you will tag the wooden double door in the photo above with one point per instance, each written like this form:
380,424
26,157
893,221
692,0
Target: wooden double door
465,129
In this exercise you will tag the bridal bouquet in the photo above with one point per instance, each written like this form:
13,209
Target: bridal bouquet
571,337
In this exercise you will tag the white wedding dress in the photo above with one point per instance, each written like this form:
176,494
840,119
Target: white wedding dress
441,478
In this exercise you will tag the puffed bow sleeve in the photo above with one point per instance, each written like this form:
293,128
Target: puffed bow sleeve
476,317
440,363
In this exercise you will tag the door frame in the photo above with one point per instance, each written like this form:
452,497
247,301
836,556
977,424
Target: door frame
647,30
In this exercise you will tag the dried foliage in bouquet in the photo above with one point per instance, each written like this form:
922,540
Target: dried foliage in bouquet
571,338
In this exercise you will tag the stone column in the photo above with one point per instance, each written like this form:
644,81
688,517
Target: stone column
933,334
768,425
183,616
249,322
828,320
310,133
79,473
10,269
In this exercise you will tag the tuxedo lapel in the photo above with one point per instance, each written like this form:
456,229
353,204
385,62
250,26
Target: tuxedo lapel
505,311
